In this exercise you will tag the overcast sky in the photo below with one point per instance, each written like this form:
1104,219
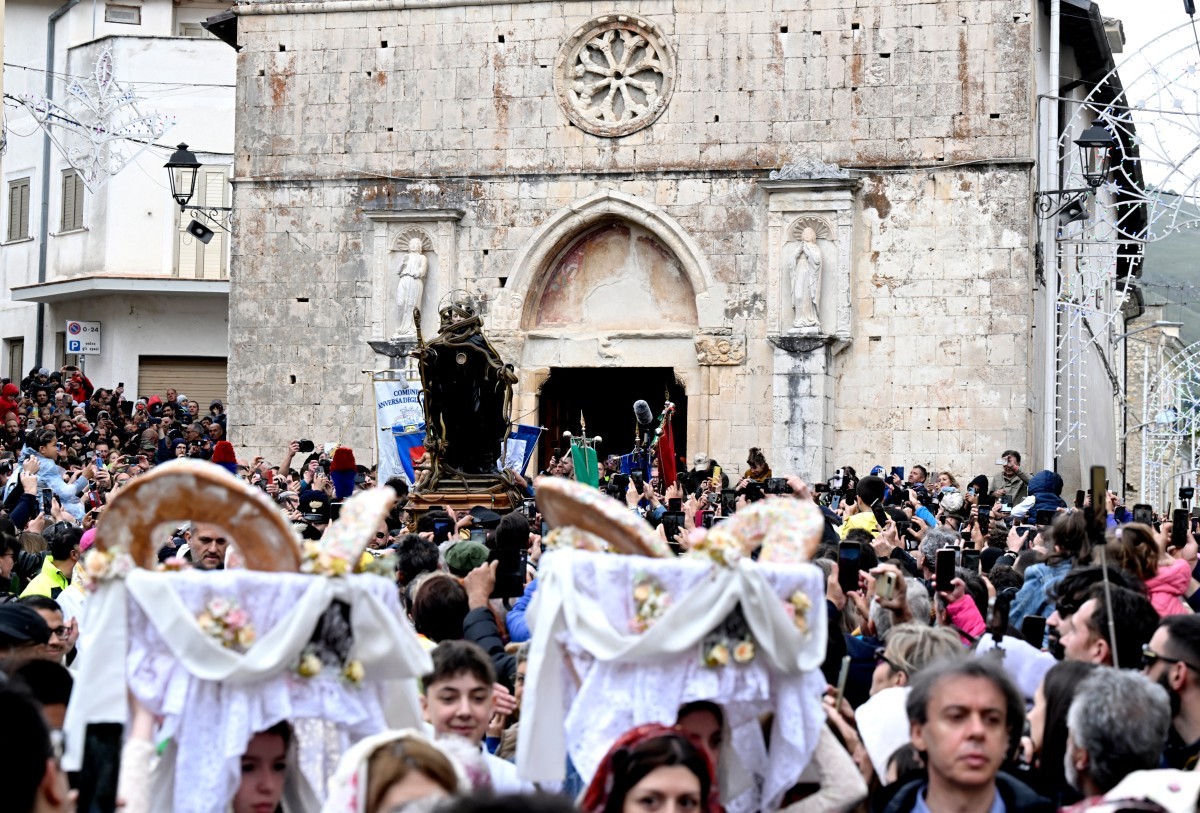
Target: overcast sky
1141,26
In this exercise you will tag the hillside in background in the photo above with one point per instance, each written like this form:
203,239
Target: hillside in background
1170,275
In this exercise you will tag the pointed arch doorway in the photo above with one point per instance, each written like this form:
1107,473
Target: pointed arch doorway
605,396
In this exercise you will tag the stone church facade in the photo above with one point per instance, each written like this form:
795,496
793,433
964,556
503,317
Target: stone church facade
817,217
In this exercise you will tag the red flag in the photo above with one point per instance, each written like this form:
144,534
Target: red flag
666,453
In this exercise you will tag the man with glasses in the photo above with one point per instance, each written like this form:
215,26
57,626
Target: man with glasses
62,635
1172,659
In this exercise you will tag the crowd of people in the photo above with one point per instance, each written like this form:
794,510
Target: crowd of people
990,647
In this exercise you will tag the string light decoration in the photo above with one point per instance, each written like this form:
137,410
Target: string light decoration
98,128
1171,420
1150,103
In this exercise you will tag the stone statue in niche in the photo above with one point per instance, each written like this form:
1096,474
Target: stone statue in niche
413,268
805,266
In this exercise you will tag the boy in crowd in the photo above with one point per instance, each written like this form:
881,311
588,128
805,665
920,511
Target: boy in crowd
457,700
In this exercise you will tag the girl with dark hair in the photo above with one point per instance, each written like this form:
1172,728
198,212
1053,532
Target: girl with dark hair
652,768
1048,729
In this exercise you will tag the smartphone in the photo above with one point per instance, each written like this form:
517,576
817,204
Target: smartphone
835,501
848,567
1143,513
269,476
1033,630
707,519
728,501
47,501
120,385
1026,531
843,675
885,588
441,531
970,560
944,570
639,484
511,570
903,527
776,485
881,516
716,476
1080,496
675,505
479,535
1179,528
1044,518
545,528
672,522
985,519
1099,491
530,509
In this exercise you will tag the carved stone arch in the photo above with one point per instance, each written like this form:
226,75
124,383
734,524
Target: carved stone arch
818,224
413,233
537,256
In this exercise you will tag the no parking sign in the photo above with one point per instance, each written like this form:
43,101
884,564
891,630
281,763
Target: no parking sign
83,338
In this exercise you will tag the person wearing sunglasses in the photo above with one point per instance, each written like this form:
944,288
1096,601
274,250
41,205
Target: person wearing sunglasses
1172,660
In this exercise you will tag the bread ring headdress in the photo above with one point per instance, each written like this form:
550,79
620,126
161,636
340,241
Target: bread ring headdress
202,492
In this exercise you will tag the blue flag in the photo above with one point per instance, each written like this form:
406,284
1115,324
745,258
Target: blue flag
410,445
520,448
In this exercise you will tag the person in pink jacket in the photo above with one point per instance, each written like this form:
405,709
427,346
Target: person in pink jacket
1137,549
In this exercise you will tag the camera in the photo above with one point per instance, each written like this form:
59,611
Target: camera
1187,493
305,446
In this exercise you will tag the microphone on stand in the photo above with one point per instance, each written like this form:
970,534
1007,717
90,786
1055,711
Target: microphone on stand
643,414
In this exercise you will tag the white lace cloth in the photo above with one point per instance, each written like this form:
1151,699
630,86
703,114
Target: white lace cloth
594,679
214,699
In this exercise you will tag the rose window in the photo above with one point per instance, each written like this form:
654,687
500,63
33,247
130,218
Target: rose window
615,75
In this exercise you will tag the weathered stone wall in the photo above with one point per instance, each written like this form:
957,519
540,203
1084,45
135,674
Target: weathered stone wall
334,126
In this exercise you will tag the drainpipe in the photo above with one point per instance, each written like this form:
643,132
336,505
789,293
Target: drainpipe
44,226
1050,251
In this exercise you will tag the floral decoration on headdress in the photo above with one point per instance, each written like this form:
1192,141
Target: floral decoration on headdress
797,608
104,565
650,601
225,621
730,642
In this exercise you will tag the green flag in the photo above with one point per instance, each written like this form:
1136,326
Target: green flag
587,469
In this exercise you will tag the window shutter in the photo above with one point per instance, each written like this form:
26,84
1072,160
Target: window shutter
79,189
24,231
214,252
18,209
66,213
72,201
14,211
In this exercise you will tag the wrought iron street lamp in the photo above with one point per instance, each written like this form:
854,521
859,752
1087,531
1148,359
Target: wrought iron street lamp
1095,151
182,169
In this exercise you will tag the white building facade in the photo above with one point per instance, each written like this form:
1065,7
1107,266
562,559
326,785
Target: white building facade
119,254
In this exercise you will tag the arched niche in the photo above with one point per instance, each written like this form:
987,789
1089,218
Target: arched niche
616,275
537,260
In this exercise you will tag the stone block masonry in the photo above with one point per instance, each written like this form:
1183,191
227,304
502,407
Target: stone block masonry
346,112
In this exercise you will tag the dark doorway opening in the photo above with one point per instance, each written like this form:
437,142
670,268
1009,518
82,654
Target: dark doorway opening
605,396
